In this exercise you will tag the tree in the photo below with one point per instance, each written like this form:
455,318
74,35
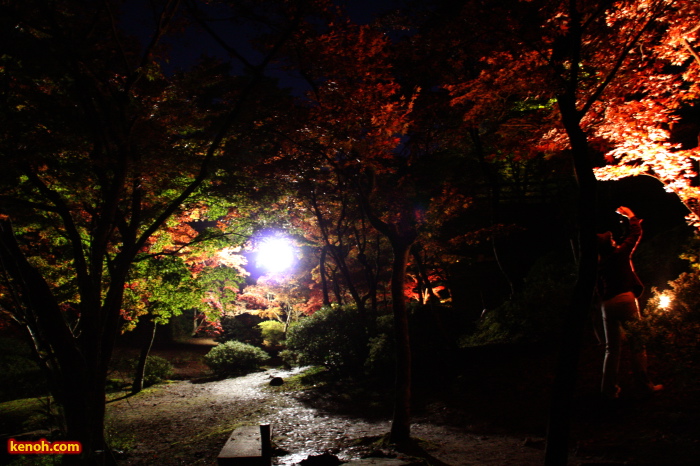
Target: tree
643,121
585,59
101,149
350,251
193,271
353,120
163,290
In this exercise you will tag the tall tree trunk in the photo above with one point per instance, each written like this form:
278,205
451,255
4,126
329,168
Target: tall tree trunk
339,259
401,235
140,373
77,365
83,401
336,288
423,279
338,254
372,277
324,280
401,422
557,448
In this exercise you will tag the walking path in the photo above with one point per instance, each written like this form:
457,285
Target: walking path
188,423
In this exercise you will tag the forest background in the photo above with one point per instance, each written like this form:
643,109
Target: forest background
449,161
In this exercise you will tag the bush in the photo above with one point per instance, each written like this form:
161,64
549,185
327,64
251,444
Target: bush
243,328
157,370
20,375
535,313
235,358
670,330
122,371
333,337
381,359
290,358
272,332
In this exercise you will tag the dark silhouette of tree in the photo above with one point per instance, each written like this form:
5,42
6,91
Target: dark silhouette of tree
573,61
100,150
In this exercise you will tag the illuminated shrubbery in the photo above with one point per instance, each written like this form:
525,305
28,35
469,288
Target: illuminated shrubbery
234,358
671,328
272,332
333,337
157,370
243,328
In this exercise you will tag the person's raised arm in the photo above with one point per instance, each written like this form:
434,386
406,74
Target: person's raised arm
635,232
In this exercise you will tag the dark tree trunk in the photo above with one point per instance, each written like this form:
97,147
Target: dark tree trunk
557,449
140,373
401,236
423,279
324,280
401,422
372,277
336,288
83,402
339,259
78,364
338,254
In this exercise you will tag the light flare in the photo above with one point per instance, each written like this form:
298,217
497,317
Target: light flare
275,254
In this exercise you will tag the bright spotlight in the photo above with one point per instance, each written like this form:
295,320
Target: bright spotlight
664,301
275,254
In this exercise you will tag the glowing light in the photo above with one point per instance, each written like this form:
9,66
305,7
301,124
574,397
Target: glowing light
664,301
275,254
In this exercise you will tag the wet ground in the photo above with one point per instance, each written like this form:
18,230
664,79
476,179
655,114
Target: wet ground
488,408
188,423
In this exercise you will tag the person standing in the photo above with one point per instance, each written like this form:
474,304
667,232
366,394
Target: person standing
619,287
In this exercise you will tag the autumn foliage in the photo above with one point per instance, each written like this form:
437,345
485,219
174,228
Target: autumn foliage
417,150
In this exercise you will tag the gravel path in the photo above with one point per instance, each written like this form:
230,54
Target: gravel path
188,423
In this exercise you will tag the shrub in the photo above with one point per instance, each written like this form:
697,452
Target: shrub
157,370
20,375
290,357
381,359
671,329
272,332
533,314
243,328
333,337
122,371
235,358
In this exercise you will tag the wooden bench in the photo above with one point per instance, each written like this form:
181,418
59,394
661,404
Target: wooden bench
247,445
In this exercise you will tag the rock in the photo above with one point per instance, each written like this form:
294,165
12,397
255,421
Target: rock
276,381
326,459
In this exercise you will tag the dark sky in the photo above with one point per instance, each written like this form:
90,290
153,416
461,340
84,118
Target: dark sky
364,11
188,48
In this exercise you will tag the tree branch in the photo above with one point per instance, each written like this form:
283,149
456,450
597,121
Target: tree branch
612,74
217,141
81,266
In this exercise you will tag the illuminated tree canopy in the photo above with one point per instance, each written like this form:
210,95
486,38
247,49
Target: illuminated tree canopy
413,147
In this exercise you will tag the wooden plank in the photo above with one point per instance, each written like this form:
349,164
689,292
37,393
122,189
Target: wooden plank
247,445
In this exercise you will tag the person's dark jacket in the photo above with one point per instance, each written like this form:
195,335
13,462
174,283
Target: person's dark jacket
616,273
